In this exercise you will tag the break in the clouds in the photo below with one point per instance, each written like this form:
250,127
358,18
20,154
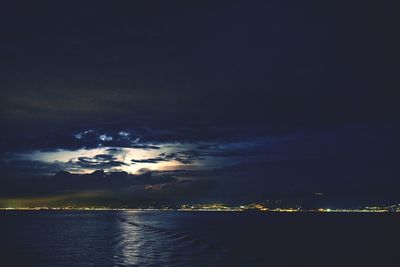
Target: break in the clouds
163,156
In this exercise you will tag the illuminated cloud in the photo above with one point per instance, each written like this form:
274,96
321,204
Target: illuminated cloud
83,134
123,133
104,137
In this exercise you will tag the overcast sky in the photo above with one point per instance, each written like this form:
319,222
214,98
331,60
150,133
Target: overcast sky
208,100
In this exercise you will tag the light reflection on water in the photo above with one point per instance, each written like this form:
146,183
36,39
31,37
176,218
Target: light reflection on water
136,243
196,239
127,245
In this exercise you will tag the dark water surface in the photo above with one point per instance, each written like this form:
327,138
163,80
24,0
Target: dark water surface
113,238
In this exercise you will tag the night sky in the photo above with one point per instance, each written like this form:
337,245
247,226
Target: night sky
132,103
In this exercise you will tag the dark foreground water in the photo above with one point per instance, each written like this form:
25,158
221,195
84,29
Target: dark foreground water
51,238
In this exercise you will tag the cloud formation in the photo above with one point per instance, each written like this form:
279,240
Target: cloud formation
184,157
101,161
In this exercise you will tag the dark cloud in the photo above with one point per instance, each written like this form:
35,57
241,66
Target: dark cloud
143,146
97,162
113,188
185,157
241,68
28,167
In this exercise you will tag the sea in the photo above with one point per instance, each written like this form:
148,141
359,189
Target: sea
169,238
